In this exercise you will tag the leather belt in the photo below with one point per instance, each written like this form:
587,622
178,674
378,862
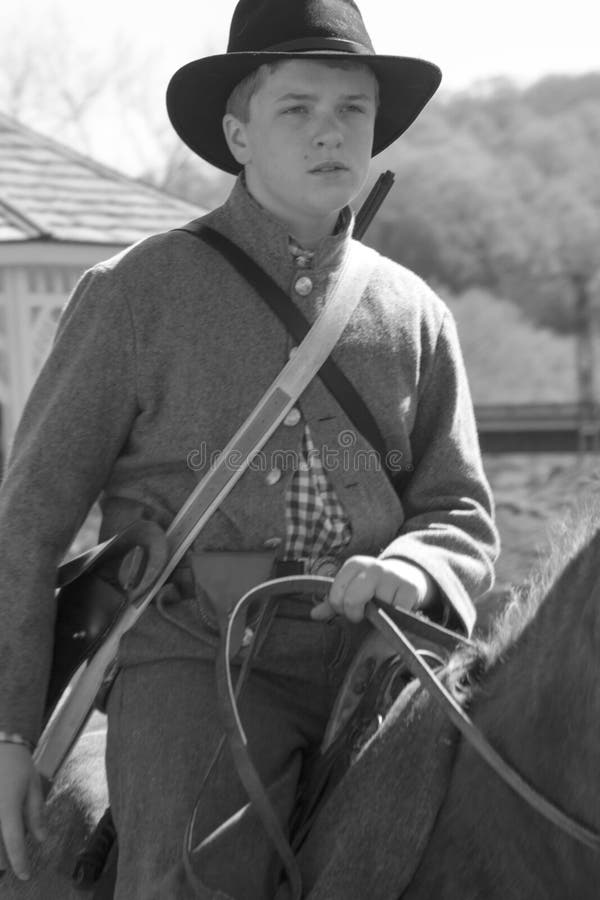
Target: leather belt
294,605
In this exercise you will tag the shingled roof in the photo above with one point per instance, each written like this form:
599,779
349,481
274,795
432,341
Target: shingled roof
50,192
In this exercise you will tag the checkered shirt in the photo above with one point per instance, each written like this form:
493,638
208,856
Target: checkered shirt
316,524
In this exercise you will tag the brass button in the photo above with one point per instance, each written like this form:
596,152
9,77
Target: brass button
293,417
303,286
292,351
273,476
248,637
272,543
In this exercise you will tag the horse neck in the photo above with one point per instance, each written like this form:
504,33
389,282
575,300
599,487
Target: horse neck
538,706
541,703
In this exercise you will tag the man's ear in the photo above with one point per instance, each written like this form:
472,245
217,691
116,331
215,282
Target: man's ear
237,139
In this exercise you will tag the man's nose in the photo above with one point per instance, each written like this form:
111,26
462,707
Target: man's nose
328,133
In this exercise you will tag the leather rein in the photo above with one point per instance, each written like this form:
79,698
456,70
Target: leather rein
392,624
387,621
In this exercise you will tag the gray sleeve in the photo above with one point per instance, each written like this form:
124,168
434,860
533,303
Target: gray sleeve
449,529
75,423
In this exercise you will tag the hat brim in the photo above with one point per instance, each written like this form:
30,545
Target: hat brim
198,92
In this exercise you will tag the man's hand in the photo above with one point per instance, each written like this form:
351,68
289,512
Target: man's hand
395,581
21,807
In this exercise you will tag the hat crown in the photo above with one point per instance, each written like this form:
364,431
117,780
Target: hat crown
259,25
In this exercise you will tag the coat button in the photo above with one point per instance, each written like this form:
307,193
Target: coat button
293,417
292,351
303,286
272,543
273,476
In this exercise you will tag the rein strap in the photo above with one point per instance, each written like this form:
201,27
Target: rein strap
381,616
266,595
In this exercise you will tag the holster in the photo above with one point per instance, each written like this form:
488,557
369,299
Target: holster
93,590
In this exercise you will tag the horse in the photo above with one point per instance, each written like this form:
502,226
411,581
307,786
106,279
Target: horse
533,689
442,824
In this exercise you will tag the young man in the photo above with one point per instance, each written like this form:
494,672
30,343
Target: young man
164,350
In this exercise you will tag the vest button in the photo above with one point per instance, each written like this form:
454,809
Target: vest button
303,286
273,476
293,417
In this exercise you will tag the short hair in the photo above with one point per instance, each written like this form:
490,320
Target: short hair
238,103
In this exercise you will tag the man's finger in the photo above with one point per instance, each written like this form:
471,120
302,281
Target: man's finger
340,585
13,835
351,568
357,594
323,611
404,598
399,594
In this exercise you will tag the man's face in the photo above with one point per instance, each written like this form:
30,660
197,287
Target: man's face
307,145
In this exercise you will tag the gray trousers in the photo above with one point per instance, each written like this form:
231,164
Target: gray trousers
163,729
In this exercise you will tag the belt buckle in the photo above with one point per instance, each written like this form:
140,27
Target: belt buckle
284,568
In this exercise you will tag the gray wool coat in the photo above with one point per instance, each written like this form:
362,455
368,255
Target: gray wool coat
161,353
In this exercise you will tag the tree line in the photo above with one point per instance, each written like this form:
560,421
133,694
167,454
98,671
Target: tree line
497,187
497,195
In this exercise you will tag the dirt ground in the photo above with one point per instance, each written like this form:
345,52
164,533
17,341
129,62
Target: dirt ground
535,495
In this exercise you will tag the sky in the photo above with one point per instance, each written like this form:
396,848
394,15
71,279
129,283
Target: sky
471,40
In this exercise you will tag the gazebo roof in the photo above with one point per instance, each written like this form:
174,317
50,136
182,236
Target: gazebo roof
49,192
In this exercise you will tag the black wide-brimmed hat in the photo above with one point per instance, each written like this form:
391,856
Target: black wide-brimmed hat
269,31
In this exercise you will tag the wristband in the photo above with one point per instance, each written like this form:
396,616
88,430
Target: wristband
6,738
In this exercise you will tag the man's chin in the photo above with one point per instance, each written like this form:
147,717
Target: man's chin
331,198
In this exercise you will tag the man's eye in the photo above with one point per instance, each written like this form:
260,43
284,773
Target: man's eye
354,107
295,109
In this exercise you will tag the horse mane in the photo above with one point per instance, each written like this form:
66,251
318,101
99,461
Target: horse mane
569,538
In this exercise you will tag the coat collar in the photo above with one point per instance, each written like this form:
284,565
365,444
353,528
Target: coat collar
267,240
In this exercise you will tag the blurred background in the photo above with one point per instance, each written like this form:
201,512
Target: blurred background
496,201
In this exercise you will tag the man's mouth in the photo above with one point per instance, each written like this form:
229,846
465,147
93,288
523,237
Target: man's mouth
330,166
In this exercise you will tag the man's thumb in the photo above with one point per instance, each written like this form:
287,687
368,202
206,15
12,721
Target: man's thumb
322,611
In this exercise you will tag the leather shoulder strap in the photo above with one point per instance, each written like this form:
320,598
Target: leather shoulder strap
212,488
296,324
